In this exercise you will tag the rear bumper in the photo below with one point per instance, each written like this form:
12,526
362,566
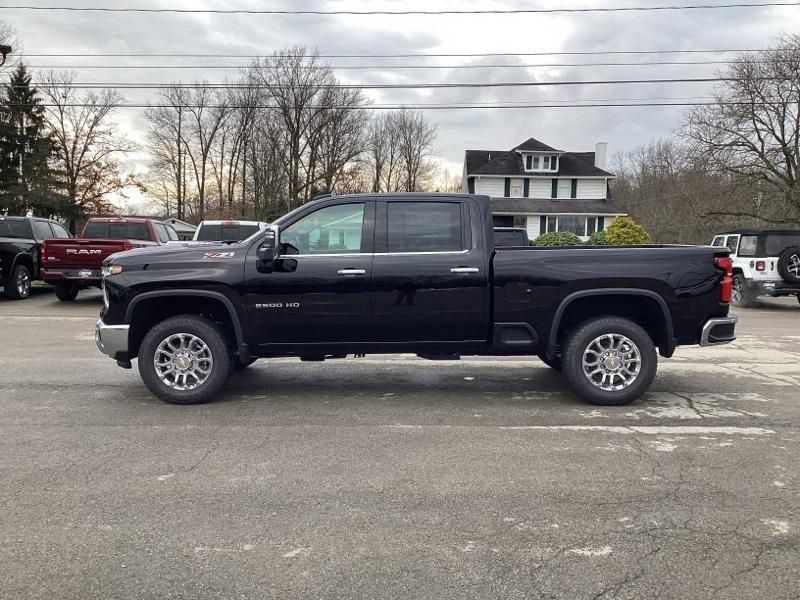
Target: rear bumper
112,340
772,287
87,276
719,330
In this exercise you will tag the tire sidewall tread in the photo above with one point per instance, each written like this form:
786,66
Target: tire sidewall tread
572,357
214,338
10,285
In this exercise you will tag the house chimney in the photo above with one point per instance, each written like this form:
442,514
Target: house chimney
601,155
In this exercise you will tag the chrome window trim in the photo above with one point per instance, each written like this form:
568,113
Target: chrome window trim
356,254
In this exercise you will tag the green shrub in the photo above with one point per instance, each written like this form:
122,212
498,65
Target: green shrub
557,238
624,231
598,238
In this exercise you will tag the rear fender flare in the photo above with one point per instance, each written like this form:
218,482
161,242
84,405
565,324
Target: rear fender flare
550,351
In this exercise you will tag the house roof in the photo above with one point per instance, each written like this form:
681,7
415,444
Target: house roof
571,207
534,145
509,163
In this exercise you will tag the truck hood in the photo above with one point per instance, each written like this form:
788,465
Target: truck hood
179,252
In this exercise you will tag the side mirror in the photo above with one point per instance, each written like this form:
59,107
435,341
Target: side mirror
268,251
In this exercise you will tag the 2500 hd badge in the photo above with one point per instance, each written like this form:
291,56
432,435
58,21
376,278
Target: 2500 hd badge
415,273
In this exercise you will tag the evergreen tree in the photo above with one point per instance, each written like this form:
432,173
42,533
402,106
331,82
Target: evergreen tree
27,181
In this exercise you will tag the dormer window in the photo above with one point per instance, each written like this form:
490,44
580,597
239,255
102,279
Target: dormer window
547,163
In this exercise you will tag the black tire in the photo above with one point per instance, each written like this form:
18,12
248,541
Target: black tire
553,364
741,294
66,292
209,334
789,265
583,337
18,284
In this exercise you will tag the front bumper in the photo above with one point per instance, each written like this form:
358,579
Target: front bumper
112,340
719,330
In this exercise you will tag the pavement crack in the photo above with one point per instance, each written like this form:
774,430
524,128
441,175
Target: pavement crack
690,403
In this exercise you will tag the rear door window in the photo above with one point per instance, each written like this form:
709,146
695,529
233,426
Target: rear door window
59,231
161,232
425,227
747,245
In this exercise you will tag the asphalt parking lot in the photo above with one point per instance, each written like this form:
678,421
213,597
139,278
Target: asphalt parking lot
394,477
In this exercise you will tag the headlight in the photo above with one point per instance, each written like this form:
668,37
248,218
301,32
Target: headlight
107,270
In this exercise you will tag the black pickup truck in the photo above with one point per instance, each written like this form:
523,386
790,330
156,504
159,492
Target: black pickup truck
20,248
414,273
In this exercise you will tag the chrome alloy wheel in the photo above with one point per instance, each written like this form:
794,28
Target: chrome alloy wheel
23,283
612,362
736,290
183,361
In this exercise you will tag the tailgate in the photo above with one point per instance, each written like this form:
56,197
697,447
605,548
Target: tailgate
89,253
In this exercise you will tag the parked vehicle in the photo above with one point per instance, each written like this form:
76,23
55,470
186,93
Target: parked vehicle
226,231
385,273
766,262
511,236
20,242
74,264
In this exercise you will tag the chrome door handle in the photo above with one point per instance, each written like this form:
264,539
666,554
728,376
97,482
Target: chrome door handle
351,272
464,270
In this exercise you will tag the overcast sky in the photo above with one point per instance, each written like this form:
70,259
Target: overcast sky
566,128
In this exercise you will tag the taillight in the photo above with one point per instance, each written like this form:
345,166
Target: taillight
726,264
126,245
42,251
761,265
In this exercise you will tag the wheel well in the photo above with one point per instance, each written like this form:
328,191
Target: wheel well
151,311
25,259
643,310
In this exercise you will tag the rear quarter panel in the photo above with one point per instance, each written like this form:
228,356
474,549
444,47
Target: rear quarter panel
684,276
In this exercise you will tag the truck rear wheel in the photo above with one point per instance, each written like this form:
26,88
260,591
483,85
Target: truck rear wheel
185,360
66,292
610,361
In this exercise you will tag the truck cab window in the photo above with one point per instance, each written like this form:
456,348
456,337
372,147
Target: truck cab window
41,230
334,229
425,227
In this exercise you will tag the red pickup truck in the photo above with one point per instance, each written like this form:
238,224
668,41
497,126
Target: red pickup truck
74,264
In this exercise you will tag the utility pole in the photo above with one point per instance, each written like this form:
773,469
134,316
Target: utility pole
179,201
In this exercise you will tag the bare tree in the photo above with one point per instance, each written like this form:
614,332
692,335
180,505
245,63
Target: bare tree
416,136
752,130
341,136
383,146
86,142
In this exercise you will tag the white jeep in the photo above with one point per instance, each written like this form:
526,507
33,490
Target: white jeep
766,262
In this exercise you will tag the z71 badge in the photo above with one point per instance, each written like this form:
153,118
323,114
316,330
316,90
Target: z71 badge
219,254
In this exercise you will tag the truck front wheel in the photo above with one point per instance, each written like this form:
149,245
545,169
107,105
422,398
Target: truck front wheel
610,361
184,360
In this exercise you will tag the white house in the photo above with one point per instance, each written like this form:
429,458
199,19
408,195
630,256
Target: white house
543,189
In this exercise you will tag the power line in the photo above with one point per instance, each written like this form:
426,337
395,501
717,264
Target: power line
413,55
413,106
492,11
397,67
403,86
